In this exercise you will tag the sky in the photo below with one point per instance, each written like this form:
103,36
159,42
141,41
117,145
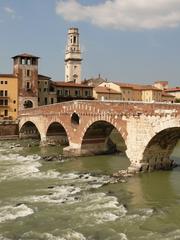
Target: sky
123,40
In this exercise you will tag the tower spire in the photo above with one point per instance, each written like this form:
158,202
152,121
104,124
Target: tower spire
73,57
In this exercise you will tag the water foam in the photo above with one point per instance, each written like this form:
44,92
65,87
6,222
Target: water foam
98,208
3,238
69,235
12,212
16,166
59,194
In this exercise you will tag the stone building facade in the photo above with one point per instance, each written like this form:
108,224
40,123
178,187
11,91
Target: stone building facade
8,97
25,67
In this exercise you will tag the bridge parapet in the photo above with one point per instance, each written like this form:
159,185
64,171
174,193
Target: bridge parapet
108,107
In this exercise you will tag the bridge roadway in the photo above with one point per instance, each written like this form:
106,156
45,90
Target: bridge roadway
148,132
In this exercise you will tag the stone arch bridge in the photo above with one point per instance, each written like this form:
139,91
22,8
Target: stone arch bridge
148,132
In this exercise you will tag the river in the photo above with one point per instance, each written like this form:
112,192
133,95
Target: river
72,200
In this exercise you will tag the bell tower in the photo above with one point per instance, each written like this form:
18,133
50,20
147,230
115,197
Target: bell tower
25,67
73,57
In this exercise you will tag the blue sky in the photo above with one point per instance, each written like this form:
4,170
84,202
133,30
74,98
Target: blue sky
127,41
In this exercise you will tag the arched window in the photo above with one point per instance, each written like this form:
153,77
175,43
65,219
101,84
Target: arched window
28,104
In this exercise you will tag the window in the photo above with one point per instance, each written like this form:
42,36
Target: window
87,93
28,85
74,39
6,82
45,82
45,89
1,93
66,93
52,100
29,61
28,73
14,101
1,82
45,100
38,99
15,110
5,93
6,112
34,62
77,93
28,104
60,92
1,102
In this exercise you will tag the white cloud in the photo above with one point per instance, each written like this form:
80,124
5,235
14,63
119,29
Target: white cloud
123,14
10,11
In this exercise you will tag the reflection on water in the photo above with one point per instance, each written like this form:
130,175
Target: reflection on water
73,200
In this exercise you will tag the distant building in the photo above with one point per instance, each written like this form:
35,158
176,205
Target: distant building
166,97
73,57
163,85
43,90
8,97
94,82
25,67
71,91
106,93
175,92
134,92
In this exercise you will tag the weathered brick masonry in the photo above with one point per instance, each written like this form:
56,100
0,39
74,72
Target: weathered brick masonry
9,129
150,130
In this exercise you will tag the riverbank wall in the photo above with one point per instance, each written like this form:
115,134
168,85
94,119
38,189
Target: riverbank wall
9,130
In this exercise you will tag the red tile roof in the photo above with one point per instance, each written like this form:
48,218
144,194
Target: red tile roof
8,75
167,95
43,77
69,84
163,83
100,89
25,55
176,89
138,86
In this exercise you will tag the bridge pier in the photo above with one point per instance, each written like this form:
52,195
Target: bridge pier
72,150
91,147
43,141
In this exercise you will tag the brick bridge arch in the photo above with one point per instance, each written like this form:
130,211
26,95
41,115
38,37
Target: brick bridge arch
25,128
98,130
137,122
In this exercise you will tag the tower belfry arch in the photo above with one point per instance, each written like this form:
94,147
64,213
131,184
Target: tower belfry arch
73,57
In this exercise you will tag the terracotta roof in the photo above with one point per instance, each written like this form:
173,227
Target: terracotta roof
100,89
137,86
176,89
25,55
124,85
167,95
150,87
69,84
164,83
8,75
43,77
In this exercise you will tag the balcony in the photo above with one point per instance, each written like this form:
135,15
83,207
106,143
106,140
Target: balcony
4,97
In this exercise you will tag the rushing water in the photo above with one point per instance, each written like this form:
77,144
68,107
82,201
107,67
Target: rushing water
72,200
